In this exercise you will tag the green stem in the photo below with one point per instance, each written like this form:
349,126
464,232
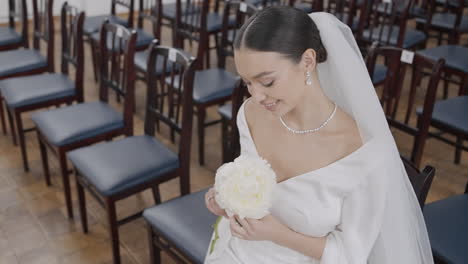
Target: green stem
216,233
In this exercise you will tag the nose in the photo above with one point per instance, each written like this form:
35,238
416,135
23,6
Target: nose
257,94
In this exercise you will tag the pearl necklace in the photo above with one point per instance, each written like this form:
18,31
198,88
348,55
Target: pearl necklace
307,131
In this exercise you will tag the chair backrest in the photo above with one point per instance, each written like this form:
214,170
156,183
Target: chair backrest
72,21
450,10
238,97
126,4
19,9
191,25
421,181
117,68
178,68
381,20
151,10
241,11
344,10
399,62
44,28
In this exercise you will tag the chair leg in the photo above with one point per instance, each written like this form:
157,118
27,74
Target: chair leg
45,160
458,149
82,205
12,126
155,251
66,183
94,60
201,112
114,231
156,194
22,142
2,116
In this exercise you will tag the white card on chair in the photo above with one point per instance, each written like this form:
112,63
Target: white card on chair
407,56
119,32
172,55
243,7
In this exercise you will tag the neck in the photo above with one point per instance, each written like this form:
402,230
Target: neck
313,109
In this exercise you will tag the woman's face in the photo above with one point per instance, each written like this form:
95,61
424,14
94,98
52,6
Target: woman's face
274,81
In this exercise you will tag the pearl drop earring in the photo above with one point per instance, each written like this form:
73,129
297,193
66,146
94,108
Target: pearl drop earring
308,78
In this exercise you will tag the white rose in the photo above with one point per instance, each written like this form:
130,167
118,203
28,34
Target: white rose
245,187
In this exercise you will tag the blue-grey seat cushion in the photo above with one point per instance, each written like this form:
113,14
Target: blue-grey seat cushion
447,226
447,21
306,7
411,38
380,73
21,60
77,122
169,10
93,24
9,36
185,222
456,57
210,84
451,112
214,21
116,166
33,89
144,39
225,111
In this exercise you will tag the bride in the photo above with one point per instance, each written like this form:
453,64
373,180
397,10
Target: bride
343,196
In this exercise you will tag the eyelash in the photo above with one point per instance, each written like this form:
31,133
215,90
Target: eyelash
269,85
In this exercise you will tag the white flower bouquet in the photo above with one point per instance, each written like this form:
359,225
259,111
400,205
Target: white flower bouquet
245,187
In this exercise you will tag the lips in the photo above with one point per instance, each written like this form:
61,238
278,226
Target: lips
270,106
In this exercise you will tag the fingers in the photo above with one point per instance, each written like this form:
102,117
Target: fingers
236,229
244,224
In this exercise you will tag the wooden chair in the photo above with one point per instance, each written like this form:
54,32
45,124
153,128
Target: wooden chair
9,37
115,170
29,93
307,6
420,180
23,62
348,11
93,24
212,86
446,222
72,127
398,62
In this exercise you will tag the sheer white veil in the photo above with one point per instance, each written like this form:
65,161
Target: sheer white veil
344,78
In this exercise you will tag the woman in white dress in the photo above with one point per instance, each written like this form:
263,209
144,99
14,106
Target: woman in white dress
343,195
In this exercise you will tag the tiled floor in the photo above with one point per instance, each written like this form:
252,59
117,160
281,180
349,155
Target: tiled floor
34,228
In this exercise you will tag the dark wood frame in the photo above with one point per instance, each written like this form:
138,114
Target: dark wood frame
152,115
346,7
420,180
105,85
393,86
38,35
12,13
77,60
130,4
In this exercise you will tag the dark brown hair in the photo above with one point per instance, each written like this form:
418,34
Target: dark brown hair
286,30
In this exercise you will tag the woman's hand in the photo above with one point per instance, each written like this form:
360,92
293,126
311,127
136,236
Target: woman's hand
212,205
266,228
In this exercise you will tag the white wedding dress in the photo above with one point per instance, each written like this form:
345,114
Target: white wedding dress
363,203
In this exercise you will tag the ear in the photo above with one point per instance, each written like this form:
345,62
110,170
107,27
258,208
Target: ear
308,60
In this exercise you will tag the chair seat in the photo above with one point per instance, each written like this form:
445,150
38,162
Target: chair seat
446,21
255,2
214,21
412,37
119,165
9,36
77,122
93,24
185,222
451,112
418,12
306,7
210,85
144,39
380,73
34,89
225,111
21,60
447,226
452,3
141,62
169,10
456,57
